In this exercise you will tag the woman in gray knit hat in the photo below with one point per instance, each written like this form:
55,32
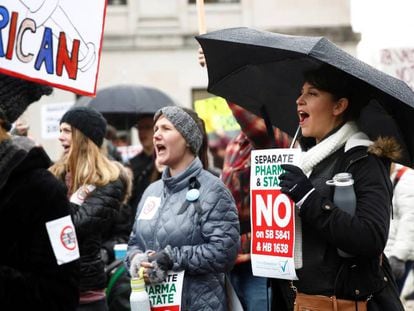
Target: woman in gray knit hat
187,221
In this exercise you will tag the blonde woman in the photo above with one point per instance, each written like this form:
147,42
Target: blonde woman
97,188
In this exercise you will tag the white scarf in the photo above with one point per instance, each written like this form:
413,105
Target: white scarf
309,160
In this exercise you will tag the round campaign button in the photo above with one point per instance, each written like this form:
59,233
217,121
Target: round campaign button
192,195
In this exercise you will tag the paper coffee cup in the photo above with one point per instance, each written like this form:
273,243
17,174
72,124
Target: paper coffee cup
120,251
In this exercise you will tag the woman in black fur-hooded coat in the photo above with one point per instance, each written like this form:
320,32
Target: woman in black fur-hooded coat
30,197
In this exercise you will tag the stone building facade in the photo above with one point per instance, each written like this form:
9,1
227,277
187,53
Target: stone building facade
151,42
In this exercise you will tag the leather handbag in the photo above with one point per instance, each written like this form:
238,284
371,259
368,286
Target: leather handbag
304,302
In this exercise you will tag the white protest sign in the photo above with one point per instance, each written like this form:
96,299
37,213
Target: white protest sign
150,208
53,42
62,236
50,118
166,296
399,63
272,215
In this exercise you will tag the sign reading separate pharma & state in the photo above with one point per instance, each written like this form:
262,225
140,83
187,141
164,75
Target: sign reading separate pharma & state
166,296
53,42
272,215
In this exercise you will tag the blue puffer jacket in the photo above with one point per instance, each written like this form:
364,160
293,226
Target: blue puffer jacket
204,243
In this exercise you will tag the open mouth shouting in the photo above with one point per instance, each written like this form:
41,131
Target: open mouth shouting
160,149
303,116
66,148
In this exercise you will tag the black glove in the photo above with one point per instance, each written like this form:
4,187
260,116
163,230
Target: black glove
161,262
162,259
294,182
397,267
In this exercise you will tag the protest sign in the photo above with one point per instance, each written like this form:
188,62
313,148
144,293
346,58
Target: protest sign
272,215
217,116
63,239
166,296
53,42
50,118
398,62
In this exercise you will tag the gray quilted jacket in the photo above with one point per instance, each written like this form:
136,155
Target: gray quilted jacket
204,243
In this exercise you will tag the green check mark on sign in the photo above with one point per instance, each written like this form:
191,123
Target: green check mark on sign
283,265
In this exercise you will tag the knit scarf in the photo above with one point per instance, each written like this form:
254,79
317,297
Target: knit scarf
309,160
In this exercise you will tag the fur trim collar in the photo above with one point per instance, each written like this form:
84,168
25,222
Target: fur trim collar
386,147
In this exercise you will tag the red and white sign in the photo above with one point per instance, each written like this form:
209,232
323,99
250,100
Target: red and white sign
53,42
62,236
272,215
166,296
150,208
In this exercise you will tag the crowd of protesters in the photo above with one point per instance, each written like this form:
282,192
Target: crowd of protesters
199,220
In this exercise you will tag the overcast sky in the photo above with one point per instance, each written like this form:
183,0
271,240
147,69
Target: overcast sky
388,23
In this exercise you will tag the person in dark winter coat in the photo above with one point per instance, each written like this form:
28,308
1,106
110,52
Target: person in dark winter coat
193,226
143,164
327,107
97,188
32,276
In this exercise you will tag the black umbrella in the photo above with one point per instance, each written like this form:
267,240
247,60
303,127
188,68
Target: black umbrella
263,71
121,105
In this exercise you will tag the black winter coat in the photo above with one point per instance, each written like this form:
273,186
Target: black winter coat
142,167
325,228
30,196
94,221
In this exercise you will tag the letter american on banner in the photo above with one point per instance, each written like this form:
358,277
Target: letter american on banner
53,42
272,215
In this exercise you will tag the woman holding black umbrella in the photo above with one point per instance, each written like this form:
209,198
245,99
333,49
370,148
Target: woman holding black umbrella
327,108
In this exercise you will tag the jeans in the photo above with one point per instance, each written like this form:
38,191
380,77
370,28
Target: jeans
253,291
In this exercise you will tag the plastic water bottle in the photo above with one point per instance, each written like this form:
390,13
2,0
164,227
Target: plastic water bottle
139,298
344,197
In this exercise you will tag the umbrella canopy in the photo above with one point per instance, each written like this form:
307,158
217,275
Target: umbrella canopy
259,69
122,105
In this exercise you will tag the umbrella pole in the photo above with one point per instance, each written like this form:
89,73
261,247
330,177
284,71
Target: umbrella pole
295,137
201,17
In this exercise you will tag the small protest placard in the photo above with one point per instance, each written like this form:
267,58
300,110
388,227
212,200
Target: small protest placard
272,215
63,239
53,42
166,296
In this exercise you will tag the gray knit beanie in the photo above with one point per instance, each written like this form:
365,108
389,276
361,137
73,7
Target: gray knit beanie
184,124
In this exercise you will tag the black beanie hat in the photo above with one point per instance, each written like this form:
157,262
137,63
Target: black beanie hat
16,95
87,120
